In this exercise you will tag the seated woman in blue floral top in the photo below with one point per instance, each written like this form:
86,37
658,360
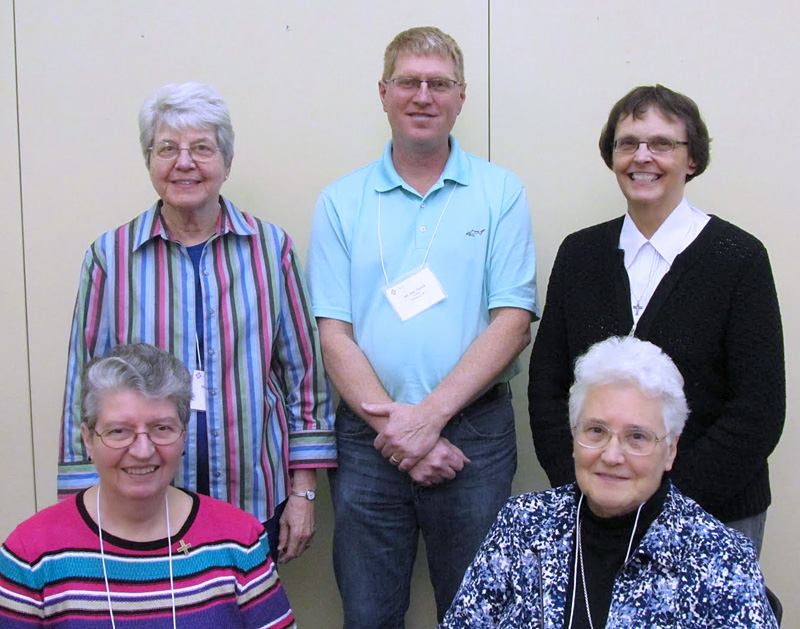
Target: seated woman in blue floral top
622,547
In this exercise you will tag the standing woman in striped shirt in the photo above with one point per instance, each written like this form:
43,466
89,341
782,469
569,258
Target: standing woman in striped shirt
222,291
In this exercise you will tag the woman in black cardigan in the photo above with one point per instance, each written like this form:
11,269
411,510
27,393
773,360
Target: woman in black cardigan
693,284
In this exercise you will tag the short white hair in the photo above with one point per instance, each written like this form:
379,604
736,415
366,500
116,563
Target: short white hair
181,106
628,360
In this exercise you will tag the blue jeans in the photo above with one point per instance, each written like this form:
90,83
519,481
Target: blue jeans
380,511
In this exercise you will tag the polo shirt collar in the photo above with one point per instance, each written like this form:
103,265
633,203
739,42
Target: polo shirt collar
667,240
456,169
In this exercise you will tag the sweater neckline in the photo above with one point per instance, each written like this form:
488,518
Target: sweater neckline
120,542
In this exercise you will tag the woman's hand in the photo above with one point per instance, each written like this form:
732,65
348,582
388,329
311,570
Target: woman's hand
299,520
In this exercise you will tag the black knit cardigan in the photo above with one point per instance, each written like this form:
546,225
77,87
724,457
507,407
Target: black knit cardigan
715,313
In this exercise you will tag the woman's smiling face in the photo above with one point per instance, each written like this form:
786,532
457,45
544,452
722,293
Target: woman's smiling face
647,179
141,470
614,481
183,183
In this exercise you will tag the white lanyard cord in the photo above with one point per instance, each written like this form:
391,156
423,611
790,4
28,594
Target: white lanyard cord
579,554
105,572
197,350
103,560
575,570
430,244
633,533
169,553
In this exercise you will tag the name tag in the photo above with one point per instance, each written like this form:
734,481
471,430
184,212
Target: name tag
415,294
198,391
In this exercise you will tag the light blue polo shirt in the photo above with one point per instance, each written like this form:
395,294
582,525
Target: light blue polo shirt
482,254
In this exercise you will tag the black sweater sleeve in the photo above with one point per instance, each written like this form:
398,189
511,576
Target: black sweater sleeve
719,465
550,378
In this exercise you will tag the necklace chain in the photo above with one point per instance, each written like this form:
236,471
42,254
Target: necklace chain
651,274
654,264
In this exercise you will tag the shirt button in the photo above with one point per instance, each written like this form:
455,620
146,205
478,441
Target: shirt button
217,474
215,433
211,352
422,204
422,228
212,391
205,272
211,311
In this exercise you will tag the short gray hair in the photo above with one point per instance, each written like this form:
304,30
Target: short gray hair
628,360
141,368
423,40
182,106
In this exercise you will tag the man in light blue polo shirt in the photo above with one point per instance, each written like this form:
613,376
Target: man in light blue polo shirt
422,275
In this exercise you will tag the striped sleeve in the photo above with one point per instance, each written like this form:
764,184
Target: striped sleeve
312,442
88,336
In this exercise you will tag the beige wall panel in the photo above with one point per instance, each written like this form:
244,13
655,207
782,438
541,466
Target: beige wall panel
16,452
301,82
301,79
556,70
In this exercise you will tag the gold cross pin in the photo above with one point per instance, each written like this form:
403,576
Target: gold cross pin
184,548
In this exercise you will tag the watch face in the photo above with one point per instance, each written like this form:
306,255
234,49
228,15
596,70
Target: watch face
311,494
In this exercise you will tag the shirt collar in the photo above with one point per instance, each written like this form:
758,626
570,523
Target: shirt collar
668,239
456,169
231,220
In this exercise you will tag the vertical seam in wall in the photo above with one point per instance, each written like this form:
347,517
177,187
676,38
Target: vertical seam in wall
24,263
489,79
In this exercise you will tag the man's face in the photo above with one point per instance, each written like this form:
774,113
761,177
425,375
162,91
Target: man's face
422,119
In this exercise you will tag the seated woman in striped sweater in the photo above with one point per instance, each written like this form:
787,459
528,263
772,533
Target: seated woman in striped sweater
133,551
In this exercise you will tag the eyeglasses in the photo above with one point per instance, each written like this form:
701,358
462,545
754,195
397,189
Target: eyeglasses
159,435
412,84
200,152
655,145
637,441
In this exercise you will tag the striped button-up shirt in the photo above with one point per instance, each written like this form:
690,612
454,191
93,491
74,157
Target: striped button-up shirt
269,408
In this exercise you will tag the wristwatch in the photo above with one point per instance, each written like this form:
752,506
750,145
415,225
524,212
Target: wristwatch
308,495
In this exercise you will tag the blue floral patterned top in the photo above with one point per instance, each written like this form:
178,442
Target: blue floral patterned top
689,571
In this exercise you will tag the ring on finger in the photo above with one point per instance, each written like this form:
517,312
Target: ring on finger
394,460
